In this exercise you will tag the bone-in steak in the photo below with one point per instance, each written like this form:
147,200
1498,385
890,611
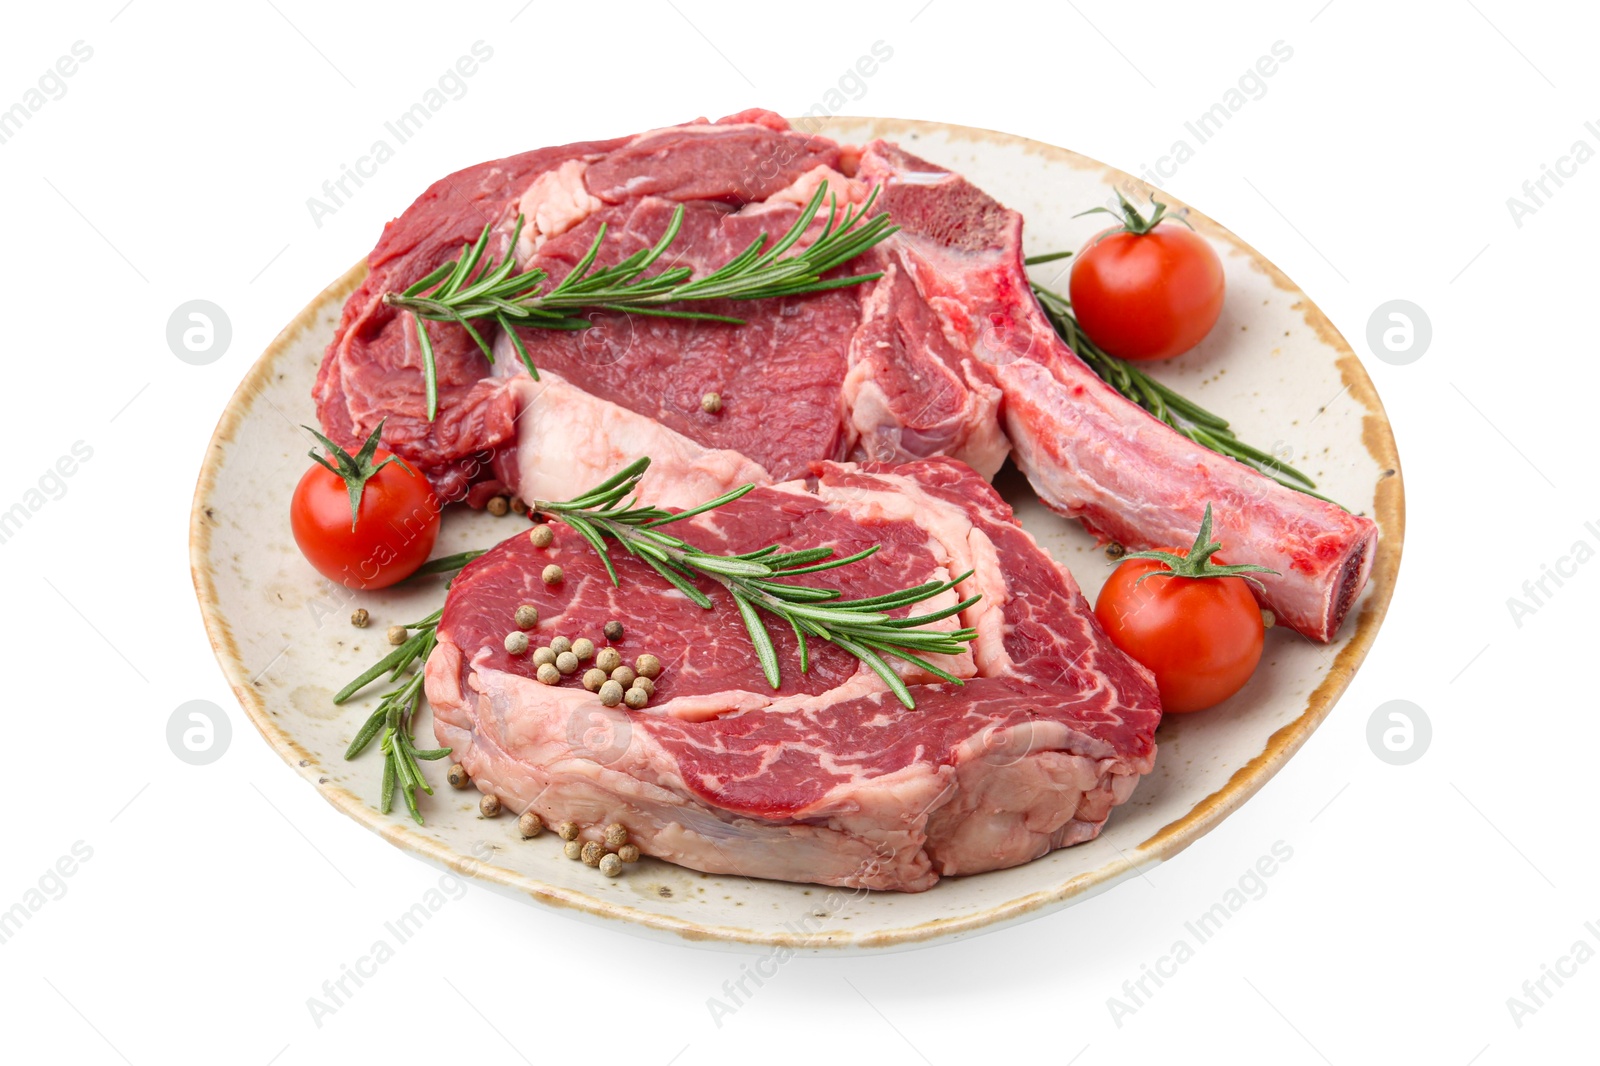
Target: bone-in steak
946,354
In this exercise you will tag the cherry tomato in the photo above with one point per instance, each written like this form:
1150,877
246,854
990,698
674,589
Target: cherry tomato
381,538
1147,289
1200,636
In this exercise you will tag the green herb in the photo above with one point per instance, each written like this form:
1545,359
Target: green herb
445,564
394,712
473,286
393,717
864,628
1197,563
1182,414
356,470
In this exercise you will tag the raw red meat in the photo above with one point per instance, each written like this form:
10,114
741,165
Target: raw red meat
830,779
947,354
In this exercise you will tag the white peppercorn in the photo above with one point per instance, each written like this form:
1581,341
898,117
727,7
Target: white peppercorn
498,505
551,575
566,662
549,675
636,698
623,675
544,656
457,776
567,830
572,849
516,642
591,852
560,644
541,535
616,835
583,648
608,660
610,865
593,679
527,616
610,693
489,806
628,853
648,666
529,825
644,684
398,634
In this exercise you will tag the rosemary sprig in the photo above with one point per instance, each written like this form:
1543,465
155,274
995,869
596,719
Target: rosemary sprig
864,627
1182,414
394,712
393,716
473,286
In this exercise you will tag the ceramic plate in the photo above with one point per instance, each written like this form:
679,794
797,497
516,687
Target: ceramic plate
1274,366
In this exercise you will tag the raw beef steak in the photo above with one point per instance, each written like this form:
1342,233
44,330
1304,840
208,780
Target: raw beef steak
829,779
947,354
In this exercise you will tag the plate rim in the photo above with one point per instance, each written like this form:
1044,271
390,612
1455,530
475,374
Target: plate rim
1166,842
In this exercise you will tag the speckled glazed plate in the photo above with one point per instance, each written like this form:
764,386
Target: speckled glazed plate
1273,365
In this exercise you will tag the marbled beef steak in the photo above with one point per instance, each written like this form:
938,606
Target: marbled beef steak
829,779
947,354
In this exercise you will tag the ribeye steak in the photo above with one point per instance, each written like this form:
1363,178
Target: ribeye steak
830,779
947,354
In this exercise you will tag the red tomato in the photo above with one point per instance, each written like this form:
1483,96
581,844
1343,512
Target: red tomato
1147,293
393,529
1201,637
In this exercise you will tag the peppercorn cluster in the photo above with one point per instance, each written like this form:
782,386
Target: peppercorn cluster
613,680
608,854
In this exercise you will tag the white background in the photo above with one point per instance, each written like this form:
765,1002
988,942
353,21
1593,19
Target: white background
1377,166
